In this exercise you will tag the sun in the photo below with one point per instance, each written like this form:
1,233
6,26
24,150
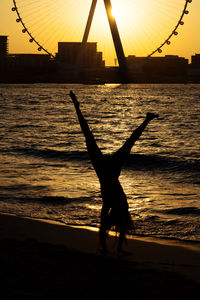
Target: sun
116,13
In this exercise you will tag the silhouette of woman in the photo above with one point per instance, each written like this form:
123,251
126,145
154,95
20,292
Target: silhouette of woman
114,210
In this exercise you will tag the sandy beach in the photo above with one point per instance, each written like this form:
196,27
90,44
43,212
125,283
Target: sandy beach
43,260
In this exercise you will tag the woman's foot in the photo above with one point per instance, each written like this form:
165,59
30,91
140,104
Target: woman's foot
151,116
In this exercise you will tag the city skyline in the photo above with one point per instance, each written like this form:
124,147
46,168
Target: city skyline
186,44
90,67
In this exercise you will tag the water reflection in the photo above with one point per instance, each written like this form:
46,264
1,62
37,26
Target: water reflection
43,154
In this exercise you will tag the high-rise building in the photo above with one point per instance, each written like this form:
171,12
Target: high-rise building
3,47
77,54
196,61
3,53
194,69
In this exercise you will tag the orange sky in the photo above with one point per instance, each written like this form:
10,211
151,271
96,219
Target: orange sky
187,43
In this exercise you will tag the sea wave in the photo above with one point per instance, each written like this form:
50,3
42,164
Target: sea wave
50,154
183,211
141,162
153,162
46,200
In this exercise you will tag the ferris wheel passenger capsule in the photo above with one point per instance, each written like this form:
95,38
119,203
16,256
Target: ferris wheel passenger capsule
24,30
186,12
18,20
168,42
31,40
181,23
189,1
175,33
40,48
159,50
13,8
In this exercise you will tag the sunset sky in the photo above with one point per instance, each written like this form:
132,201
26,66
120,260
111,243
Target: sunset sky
133,33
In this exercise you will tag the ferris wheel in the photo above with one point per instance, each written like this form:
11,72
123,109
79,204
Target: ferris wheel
139,27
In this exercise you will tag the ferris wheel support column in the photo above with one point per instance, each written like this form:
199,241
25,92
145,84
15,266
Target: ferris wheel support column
89,22
85,38
117,41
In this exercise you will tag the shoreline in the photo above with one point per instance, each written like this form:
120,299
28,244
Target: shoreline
166,255
188,244
102,83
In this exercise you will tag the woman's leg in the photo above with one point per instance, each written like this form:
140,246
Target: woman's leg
122,236
104,227
122,154
92,147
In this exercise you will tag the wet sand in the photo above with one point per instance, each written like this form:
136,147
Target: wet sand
46,260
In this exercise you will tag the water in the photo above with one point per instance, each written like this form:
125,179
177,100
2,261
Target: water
45,171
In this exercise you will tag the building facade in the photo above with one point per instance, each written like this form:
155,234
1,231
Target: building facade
28,61
195,61
3,51
79,55
194,69
3,46
166,68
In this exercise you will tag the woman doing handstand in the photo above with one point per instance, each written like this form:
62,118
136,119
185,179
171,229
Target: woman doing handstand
114,211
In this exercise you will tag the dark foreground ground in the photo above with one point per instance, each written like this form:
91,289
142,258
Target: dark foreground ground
36,270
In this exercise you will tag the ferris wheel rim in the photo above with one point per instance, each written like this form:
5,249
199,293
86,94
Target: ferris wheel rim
158,49
26,30
174,31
